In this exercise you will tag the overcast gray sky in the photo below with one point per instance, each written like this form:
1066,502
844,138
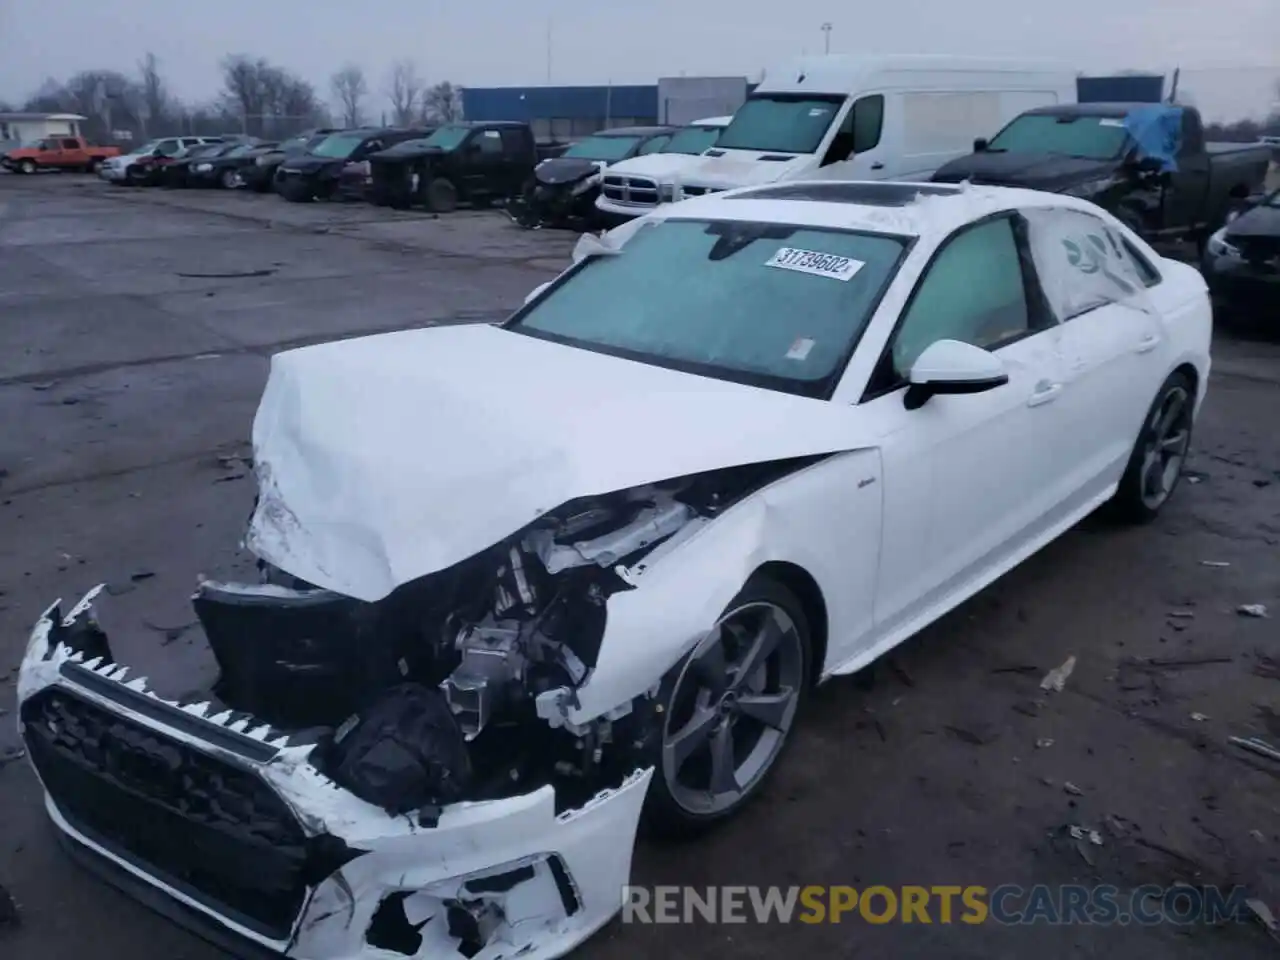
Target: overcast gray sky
503,42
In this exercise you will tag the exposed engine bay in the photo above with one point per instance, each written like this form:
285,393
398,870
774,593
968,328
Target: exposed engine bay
439,692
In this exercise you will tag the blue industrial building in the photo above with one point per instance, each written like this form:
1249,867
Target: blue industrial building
562,113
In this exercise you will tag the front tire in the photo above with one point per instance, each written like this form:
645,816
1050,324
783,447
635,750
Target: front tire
229,179
27,167
442,196
727,710
1159,454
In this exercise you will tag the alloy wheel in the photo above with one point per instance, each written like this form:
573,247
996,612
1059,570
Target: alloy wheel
1165,451
732,708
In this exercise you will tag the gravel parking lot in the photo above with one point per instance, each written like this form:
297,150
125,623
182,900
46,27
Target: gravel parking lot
135,330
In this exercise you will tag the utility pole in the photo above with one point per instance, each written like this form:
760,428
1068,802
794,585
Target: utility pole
826,37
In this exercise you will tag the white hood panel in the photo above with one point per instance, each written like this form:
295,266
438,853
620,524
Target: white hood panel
744,168
386,458
662,167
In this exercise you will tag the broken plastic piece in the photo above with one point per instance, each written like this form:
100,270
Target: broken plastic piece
1057,678
1252,610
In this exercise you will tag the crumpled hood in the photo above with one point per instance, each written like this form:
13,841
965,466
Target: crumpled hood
743,168
386,458
561,170
1035,171
1261,221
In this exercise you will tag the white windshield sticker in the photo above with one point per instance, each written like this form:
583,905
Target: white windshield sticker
1110,122
819,111
800,349
816,263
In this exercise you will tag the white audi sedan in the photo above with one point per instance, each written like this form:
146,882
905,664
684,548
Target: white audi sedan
528,586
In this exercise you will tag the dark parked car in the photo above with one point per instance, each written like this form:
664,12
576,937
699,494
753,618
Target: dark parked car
180,171
1148,164
473,163
319,173
223,169
261,175
563,190
1242,261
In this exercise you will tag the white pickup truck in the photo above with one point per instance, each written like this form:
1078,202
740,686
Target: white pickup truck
634,187
883,117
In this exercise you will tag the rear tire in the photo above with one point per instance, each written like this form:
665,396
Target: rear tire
27,167
442,196
1159,454
706,702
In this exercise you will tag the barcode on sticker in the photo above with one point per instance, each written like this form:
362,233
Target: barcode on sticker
815,262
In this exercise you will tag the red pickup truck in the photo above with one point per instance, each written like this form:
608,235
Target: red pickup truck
57,153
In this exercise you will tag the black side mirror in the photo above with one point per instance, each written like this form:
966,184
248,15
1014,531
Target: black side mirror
980,145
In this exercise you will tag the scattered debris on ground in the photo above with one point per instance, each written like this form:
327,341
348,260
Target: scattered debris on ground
1214,563
8,908
1254,745
1057,678
1072,789
1252,610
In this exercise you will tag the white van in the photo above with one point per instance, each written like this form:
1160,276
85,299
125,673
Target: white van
634,187
871,118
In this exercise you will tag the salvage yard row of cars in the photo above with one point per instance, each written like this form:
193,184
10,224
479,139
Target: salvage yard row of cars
463,683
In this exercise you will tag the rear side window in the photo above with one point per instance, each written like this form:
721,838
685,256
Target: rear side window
515,141
490,141
70,144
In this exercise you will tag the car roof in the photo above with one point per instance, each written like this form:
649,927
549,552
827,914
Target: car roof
930,211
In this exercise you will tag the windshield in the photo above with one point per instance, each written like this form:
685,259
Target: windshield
781,123
693,140
243,150
1088,138
206,149
448,138
602,148
775,306
148,147
338,146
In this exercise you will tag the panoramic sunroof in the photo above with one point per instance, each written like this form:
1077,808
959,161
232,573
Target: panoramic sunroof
864,194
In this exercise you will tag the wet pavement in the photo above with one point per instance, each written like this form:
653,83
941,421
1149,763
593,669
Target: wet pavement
135,331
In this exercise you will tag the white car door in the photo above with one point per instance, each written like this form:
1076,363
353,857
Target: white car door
1114,343
965,475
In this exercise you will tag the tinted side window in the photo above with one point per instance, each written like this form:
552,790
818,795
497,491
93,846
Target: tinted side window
1192,135
490,142
973,291
868,122
70,144
168,148
515,141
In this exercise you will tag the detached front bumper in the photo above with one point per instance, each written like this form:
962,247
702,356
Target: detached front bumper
222,824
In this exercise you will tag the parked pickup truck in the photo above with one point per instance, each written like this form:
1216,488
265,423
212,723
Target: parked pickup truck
57,153
1148,164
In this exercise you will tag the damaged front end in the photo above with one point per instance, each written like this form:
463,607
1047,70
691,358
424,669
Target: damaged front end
406,776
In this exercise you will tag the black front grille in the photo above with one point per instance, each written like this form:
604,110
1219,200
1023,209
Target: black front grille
1257,249
207,827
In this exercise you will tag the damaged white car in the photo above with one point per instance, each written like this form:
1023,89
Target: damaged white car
526,586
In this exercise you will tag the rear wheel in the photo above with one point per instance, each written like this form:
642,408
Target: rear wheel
442,196
94,165
727,711
27,166
1160,453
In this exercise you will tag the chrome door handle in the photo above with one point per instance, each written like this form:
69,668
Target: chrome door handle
1148,343
1045,392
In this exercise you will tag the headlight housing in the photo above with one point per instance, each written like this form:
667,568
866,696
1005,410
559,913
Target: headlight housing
203,167
1217,246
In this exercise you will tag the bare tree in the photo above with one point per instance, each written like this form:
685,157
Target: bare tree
267,99
404,89
349,89
442,103
153,94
